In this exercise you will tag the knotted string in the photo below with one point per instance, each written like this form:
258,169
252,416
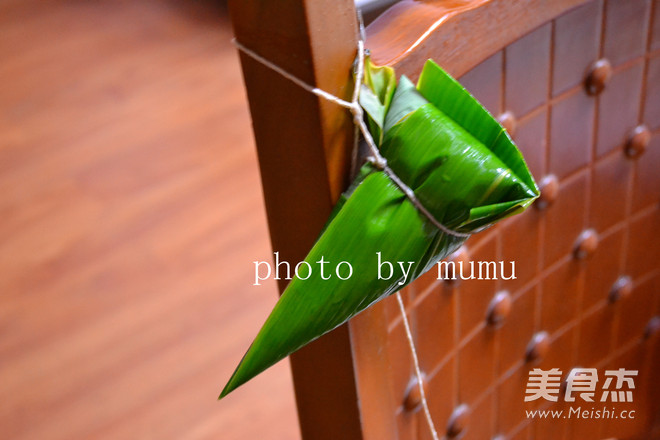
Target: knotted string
380,163
358,118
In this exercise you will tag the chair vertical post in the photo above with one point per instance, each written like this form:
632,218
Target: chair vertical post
304,144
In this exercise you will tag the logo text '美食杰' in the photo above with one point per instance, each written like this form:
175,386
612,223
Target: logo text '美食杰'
581,383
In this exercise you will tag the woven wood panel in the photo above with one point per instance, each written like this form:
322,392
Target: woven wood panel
587,256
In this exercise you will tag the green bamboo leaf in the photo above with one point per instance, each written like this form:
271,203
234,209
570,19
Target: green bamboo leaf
461,165
376,96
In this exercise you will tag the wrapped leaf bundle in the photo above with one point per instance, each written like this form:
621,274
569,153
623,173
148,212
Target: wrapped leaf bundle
462,167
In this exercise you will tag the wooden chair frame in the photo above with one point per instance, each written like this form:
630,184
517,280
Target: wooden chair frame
304,147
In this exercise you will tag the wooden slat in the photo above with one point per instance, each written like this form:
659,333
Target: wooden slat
457,34
303,148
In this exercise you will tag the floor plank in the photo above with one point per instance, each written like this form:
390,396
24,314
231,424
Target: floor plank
130,214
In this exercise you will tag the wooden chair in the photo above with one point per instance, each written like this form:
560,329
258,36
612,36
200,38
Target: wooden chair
577,84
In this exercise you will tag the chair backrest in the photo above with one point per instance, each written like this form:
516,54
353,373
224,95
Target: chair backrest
577,84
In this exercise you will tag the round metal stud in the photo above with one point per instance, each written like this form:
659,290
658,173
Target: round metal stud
509,122
549,189
652,328
621,288
538,347
413,398
462,256
458,421
586,244
638,141
599,75
499,308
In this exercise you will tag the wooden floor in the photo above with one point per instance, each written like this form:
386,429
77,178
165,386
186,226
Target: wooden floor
130,214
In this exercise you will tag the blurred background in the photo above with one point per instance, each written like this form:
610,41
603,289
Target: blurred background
130,214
